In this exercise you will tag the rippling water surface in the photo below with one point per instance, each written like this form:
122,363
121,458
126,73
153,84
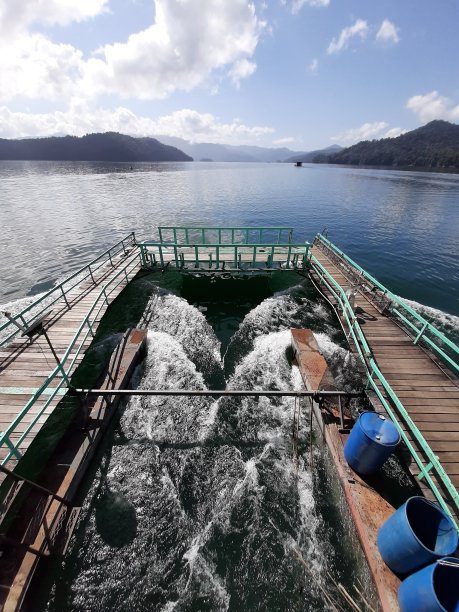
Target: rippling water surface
198,503
401,226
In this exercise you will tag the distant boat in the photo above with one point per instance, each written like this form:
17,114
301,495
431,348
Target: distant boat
298,164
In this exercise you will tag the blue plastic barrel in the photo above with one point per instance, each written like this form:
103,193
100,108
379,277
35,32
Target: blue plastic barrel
432,589
372,439
417,534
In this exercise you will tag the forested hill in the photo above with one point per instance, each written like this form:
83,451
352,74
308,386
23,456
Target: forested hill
109,146
435,145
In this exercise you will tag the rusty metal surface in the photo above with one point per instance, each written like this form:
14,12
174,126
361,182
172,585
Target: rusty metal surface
367,506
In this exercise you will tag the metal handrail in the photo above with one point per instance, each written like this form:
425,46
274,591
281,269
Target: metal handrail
373,372
201,232
425,326
61,369
61,290
238,248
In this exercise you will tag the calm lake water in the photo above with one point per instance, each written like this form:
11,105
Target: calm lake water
199,504
403,227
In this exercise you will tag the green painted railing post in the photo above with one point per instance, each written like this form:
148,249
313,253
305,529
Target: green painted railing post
217,255
254,258
65,297
175,235
176,256
161,255
203,239
187,238
235,256
288,255
210,260
196,256
10,445
160,234
247,236
421,332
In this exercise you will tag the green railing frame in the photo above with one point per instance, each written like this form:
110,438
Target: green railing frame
289,249
374,375
199,233
425,326
60,291
62,370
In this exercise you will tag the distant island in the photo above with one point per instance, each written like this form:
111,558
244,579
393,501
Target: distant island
108,147
433,146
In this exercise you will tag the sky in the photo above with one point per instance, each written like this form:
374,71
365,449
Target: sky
303,74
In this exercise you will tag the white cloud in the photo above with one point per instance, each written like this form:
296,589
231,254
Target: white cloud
314,66
388,33
18,15
364,132
35,67
367,131
433,106
283,141
394,132
241,70
297,5
82,118
358,30
187,42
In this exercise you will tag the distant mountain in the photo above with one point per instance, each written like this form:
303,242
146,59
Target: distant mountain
435,145
311,155
229,153
109,146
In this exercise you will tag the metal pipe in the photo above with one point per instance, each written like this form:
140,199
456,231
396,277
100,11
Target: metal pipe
220,392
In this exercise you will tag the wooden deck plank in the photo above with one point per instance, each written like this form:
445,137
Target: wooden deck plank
25,364
427,391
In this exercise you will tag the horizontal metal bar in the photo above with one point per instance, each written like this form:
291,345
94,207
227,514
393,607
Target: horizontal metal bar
225,245
219,392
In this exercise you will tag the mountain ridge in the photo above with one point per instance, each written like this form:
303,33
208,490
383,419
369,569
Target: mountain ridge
434,145
107,146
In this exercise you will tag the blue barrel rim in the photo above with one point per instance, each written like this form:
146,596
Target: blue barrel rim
432,578
436,565
385,444
442,512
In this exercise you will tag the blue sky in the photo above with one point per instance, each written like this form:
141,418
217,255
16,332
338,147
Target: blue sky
298,73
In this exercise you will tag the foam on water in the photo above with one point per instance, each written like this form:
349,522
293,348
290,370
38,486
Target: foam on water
173,315
443,321
286,309
194,504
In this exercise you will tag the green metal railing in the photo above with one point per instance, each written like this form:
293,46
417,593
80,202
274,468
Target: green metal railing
212,255
67,362
232,235
375,376
27,315
415,323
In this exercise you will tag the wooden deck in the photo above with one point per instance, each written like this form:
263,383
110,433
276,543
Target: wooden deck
427,389
26,363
